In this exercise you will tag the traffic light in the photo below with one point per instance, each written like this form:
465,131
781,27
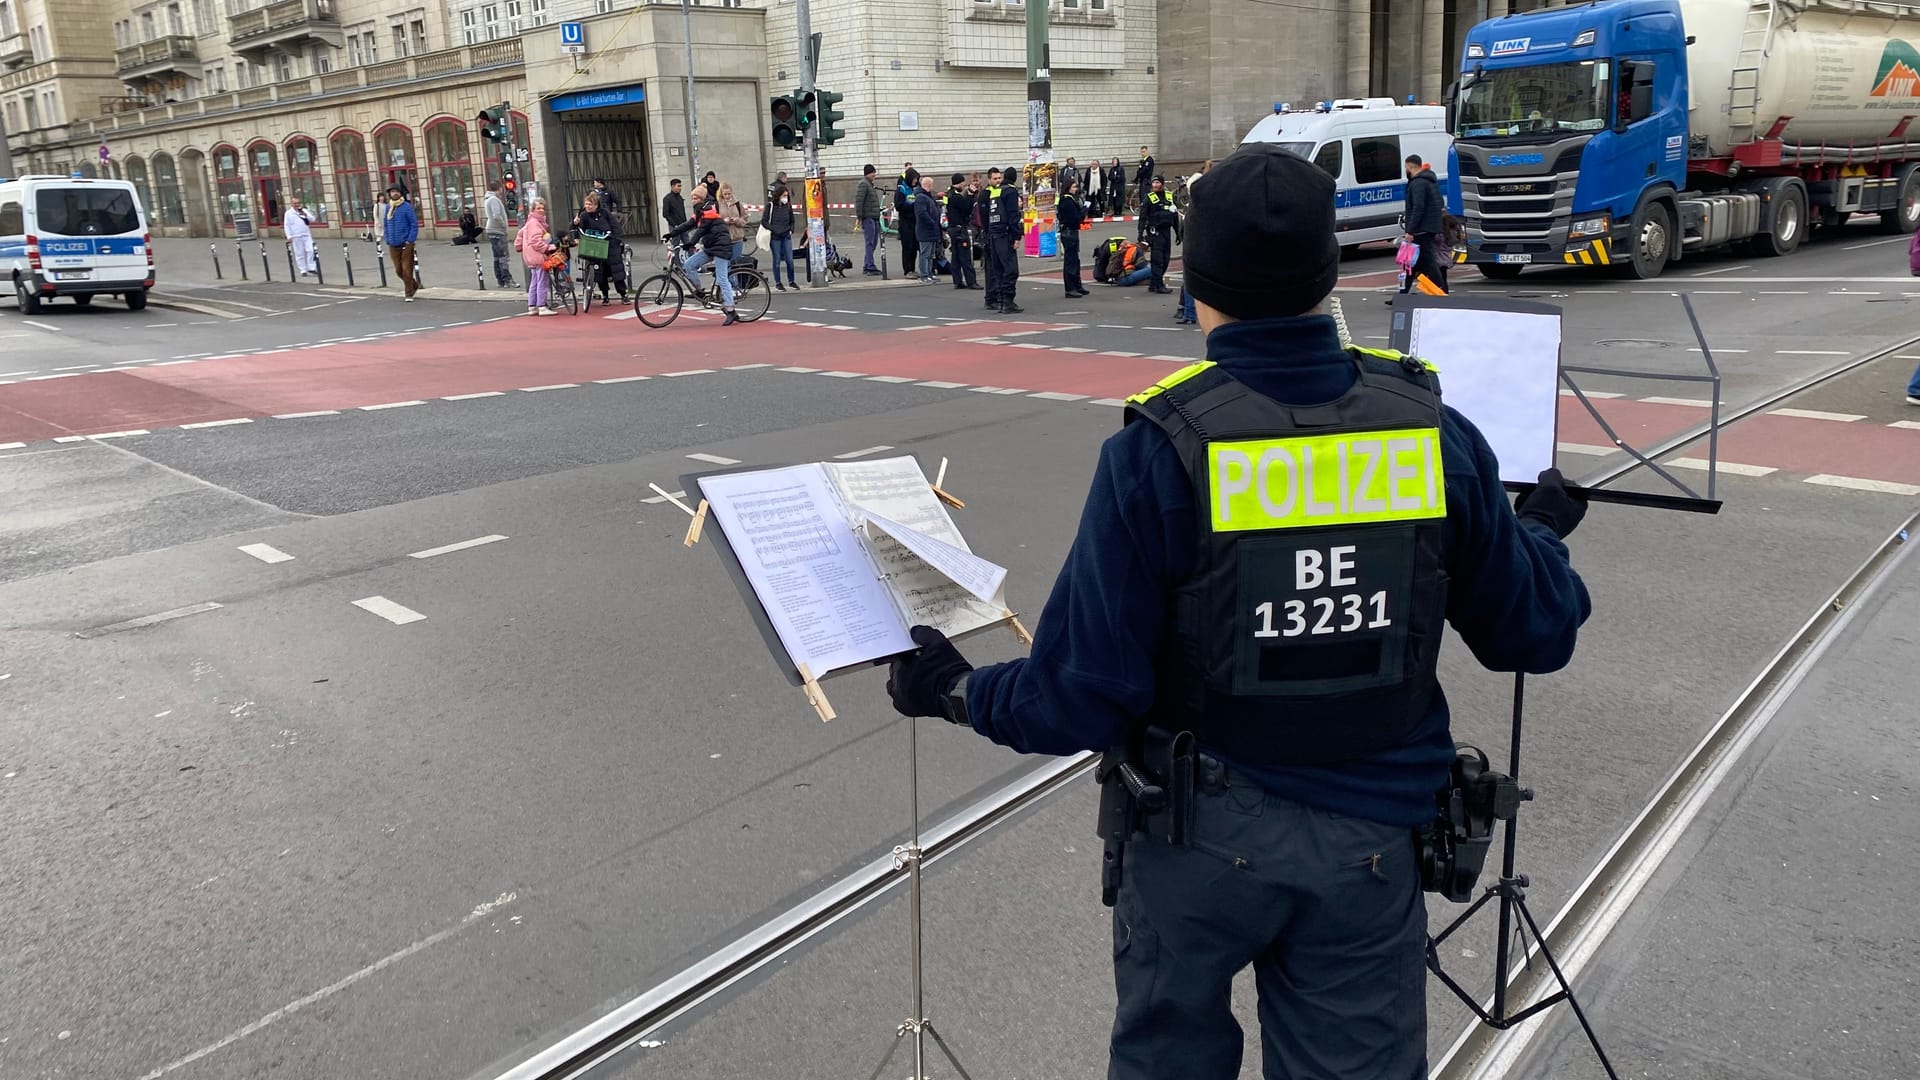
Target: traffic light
496,124
805,108
786,126
510,192
827,134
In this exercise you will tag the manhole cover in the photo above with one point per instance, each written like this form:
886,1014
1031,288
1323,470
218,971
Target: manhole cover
1637,343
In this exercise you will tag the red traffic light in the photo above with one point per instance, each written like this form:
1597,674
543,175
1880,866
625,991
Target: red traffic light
511,184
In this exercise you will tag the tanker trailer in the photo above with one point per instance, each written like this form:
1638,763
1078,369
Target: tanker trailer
1630,133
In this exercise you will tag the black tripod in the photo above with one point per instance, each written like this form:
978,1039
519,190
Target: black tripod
1511,891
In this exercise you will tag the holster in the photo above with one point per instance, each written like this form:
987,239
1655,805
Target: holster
1146,787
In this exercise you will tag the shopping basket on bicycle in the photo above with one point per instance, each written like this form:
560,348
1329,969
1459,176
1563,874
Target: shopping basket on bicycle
594,245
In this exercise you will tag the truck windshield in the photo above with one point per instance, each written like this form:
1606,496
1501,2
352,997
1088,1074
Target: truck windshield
86,211
1544,100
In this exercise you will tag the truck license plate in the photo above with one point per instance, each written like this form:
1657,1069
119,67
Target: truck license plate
1516,258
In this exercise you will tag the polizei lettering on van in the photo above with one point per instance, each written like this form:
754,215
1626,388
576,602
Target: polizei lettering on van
1352,478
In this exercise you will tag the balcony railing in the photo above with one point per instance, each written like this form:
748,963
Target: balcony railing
15,50
171,53
283,23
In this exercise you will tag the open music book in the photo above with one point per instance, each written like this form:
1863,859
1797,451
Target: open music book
846,557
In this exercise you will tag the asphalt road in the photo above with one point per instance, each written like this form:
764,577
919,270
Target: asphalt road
287,836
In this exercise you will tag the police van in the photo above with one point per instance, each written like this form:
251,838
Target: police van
1363,144
70,236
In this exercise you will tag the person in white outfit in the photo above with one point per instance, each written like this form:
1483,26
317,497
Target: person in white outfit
299,229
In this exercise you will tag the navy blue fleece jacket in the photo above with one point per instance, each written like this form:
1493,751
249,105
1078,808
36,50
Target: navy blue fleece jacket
1513,597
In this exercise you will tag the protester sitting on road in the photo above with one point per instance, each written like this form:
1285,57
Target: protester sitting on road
1129,265
469,228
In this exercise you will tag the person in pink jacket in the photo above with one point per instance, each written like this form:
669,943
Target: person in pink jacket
534,244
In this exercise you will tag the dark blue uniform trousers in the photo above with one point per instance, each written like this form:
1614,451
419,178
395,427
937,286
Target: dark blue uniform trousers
1328,911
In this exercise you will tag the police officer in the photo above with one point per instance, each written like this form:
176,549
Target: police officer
980,232
999,215
1248,622
1158,219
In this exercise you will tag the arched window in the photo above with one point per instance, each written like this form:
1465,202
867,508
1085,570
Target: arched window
351,179
230,184
449,168
265,161
393,154
137,175
167,186
303,176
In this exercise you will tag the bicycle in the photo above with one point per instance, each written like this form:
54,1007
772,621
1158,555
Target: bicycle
659,299
560,284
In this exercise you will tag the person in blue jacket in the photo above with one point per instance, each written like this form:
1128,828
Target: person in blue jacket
401,229
1250,616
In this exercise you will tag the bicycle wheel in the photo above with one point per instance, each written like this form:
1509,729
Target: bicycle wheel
563,294
658,300
586,289
751,295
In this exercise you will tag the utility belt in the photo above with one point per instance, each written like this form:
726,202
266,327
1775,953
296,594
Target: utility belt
1147,789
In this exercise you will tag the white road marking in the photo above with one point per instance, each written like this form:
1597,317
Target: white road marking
390,405
1856,483
747,367
148,620
228,356
985,389
1071,348
694,371
851,454
913,316
1027,345
78,367
1173,359
69,438
463,545
1583,448
43,378
890,378
397,614
218,423
801,370
1718,352
11,374
183,360
1691,402
1111,352
550,386
1721,270
1810,352
844,374
1850,292
630,313
470,397
1023,333
1054,395
1816,414
1783,292
713,459
839,327
301,415
1876,243
18,445
120,434
1734,467
1115,402
983,340
658,499
266,553
942,385
1010,390
1910,425
42,325
1599,394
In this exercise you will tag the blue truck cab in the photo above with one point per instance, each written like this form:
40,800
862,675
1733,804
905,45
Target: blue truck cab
1571,128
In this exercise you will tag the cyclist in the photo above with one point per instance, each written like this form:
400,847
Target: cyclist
707,228
596,219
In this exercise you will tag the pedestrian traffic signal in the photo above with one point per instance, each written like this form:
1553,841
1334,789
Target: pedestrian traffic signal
829,117
496,123
786,127
805,108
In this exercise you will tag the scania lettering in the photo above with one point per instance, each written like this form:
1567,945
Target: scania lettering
1632,133
1362,144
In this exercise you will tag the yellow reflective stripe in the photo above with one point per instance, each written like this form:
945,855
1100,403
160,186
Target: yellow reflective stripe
1392,356
1600,249
1352,478
1169,382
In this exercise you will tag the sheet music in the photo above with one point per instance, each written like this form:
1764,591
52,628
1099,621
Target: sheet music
807,567
965,569
1501,370
895,491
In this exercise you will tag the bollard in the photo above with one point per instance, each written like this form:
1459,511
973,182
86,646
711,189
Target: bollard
215,249
380,260
319,272
882,246
419,282
346,252
266,268
477,275
293,272
240,257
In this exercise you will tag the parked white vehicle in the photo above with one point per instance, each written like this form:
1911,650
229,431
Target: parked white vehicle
74,237
1362,143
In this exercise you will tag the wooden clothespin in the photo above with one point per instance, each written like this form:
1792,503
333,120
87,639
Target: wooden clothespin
816,697
1020,633
939,491
699,520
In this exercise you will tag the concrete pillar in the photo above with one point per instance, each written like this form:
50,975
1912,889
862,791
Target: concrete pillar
1433,65
1359,47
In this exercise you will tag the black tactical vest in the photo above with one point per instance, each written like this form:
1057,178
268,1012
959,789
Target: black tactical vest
1309,630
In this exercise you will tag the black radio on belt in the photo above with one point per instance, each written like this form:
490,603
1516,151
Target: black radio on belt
1453,848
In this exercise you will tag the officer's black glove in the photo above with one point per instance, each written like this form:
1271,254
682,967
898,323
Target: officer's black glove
920,682
1551,504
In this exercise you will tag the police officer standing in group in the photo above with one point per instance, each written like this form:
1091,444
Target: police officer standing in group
1248,624
999,215
1158,220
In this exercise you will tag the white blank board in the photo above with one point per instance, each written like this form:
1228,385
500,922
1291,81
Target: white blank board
1501,370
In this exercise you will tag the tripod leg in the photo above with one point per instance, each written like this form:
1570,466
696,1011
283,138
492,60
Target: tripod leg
1566,990
892,1048
947,1050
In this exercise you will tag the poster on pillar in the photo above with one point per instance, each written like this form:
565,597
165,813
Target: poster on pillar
816,226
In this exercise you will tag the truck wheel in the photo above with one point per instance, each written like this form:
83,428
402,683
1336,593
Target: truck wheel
1499,271
1652,241
1905,214
1789,222
29,303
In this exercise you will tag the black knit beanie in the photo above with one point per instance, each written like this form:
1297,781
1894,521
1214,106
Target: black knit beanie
1260,241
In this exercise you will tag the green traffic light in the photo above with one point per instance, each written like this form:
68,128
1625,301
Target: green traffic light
829,117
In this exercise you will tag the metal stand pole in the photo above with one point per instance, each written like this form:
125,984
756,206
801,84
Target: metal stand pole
240,257
215,249
346,251
266,268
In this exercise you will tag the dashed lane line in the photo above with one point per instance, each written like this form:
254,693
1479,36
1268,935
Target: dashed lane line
890,378
691,371
1698,403
550,386
266,553
1734,467
397,614
1856,483
1910,425
478,541
218,423
1816,414
851,454
120,434
471,397
1583,448
390,405
148,620
304,415
713,459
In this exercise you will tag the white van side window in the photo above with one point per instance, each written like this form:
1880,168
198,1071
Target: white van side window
1376,160
12,221
1329,158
